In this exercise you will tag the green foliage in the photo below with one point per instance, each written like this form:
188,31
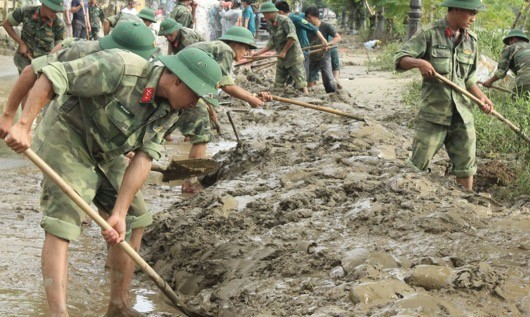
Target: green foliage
383,60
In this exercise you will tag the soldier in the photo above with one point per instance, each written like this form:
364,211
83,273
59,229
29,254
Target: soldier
284,40
120,102
96,16
41,30
514,57
445,117
321,61
232,46
147,16
182,14
177,36
302,29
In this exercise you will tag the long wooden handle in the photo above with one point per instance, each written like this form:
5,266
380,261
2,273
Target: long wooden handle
320,108
498,88
126,247
480,103
321,49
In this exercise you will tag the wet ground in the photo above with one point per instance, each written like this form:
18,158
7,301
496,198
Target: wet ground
313,215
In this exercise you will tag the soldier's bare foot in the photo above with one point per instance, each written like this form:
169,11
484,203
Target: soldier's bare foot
115,311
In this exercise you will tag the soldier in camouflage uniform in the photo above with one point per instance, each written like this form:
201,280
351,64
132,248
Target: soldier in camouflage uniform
119,103
96,16
284,40
178,37
445,116
182,14
144,17
514,57
41,30
232,46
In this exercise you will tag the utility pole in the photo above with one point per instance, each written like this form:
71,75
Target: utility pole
414,18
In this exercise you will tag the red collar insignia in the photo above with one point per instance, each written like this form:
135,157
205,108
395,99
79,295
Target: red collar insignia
449,32
147,96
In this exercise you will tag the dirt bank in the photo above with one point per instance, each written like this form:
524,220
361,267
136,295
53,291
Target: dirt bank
319,215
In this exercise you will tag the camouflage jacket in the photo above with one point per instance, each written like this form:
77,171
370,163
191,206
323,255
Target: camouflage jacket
280,30
224,55
185,38
116,110
96,15
458,62
182,15
123,16
516,58
39,37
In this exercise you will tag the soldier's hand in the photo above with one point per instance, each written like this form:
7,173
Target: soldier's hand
488,105
282,55
6,122
18,138
265,96
486,84
117,233
23,50
426,69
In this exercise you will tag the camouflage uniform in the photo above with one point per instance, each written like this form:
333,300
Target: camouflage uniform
185,38
223,54
280,31
516,58
112,111
182,15
445,116
96,16
40,38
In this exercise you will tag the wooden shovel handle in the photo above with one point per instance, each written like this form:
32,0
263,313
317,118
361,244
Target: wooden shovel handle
126,247
480,103
320,108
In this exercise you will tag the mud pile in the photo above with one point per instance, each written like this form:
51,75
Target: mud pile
319,215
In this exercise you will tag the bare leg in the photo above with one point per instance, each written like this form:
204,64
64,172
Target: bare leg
121,272
54,263
336,74
197,151
466,182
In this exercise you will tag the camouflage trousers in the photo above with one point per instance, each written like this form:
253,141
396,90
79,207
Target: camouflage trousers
459,140
62,147
296,72
21,62
195,123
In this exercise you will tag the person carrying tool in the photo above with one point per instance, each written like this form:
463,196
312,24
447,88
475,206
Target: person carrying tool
41,30
121,103
232,46
320,62
80,26
514,57
96,17
178,36
284,40
303,27
446,47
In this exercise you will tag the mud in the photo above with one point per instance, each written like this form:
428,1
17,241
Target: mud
313,215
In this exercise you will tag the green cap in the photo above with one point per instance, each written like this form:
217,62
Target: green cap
515,33
148,14
465,4
55,5
268,7
197,69
169,26
239,34
132,36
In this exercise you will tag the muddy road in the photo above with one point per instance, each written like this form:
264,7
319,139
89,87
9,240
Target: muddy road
313,215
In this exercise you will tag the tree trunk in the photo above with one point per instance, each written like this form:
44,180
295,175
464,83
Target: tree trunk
414,18
380,24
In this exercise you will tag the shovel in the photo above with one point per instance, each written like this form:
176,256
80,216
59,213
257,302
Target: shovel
480,103
185,169
126,247
320,108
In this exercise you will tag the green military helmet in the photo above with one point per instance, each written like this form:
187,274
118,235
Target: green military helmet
147,14
239,34
465,4
197,69
268,7
132,36
55,5
169,26
515,33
